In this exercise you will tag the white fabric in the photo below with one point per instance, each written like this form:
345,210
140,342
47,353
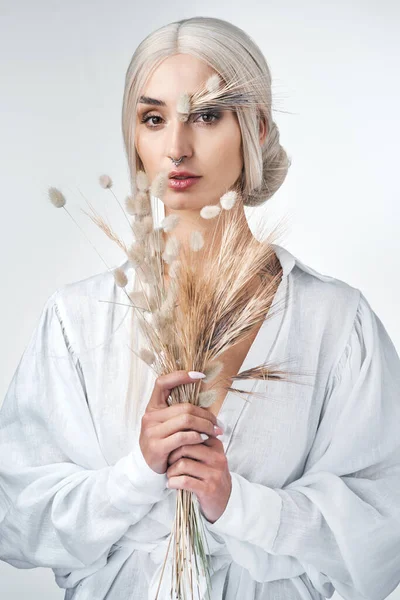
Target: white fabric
315,463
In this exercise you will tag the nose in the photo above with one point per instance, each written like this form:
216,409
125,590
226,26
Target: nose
179,140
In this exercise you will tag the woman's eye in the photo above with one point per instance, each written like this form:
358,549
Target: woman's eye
215,117
211,118
146,119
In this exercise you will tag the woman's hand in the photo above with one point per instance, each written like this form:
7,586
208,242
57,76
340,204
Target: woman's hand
164,428
202,469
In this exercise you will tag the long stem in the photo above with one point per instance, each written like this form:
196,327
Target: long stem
125,215
88,239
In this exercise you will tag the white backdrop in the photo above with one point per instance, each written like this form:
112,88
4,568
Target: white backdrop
336,97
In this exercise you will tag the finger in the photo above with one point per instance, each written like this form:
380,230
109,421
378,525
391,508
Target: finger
193,451
185,422
187,466
185,482
163,414
208,452
164,384
181,438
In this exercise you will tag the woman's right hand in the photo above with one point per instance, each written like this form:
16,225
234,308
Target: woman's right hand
164,427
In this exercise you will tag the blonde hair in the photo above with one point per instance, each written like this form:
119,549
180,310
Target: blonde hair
232,54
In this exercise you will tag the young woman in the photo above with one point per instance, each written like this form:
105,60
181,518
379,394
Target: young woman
300,490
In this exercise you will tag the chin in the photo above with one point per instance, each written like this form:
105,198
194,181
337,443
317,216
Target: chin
182,201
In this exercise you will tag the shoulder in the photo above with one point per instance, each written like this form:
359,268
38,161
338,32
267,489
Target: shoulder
317,291
323,309
102,282
91,309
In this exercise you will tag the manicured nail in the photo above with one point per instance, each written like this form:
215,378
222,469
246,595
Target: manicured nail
204,436
196,374
219,430
220,423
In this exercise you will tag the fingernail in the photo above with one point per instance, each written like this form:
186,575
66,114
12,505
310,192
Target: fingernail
204,436
221,431
196,374
220,423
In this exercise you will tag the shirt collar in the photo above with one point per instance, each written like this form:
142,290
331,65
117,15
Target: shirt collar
286,259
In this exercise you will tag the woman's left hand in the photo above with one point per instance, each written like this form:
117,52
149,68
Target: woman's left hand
202,469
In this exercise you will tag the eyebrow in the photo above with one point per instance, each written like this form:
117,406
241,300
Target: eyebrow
152,101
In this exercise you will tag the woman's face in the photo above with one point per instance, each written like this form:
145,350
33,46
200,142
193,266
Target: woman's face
210,141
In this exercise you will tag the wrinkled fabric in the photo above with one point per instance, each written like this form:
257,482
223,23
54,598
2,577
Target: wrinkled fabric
315,462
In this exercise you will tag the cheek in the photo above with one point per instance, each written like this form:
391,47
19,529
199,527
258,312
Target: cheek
228,148
138,146
146,149
141,145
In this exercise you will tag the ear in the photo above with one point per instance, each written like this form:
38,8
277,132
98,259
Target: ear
263,130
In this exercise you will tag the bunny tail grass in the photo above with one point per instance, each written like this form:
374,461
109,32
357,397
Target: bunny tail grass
120,277
183,106
228,199
159,184
56,197
196,241
213,83
169,223
142,181
210,212
207,398
105,181
212,370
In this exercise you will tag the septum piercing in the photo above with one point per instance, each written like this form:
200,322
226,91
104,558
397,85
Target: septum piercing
177,162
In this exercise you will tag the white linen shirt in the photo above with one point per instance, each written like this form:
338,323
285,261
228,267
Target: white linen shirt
315,500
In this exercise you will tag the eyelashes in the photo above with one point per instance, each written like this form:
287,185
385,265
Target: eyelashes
215,116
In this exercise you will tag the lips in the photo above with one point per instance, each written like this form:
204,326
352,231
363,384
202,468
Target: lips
181,174
182,184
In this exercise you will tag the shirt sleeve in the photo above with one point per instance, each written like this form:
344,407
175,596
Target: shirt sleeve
61,504
341,519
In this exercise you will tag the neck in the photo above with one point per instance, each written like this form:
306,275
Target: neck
211,229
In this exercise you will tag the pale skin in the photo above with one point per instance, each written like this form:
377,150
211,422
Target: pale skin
170,435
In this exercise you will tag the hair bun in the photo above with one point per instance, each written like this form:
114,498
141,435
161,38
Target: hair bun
275,163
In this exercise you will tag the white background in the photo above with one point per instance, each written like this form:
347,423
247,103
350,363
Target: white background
336,99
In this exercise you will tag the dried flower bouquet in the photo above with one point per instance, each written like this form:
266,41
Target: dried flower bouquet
193,305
